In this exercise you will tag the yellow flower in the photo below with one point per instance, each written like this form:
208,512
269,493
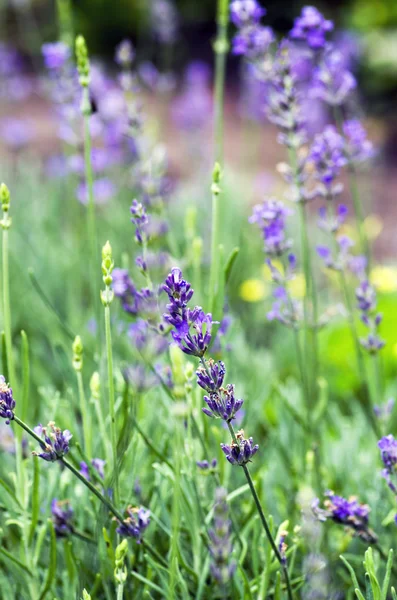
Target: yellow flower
253,290
373,226
297,286
384,278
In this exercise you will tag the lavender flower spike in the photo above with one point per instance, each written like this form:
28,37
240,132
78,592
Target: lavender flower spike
62,517
135,523
179,292
194,344
56,442
222,404
211,379
243,12
388,447
240,453
222,567
7,402
312,28
346,512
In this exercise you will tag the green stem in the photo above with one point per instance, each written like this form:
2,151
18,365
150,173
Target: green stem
91,224
214,273
112,413
84,414
7,309
264,520
120,589
220,48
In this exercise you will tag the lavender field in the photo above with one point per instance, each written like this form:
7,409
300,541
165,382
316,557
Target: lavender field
198,300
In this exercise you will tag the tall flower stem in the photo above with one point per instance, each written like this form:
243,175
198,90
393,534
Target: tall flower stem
221,47
109,353
264,520
6,303
215,224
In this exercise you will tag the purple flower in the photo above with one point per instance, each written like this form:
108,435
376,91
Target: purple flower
140,220
282,546
270,217
211,378
125,53
243,12
192,108
327,155
222,566
193,335
7,402
240,453
358,147
164,20
99,466
103,190
253,41
311,27
56,442
286,311
332,223
384,411
366,303
55,54
125,289
204,465
345,512
179,292
388,448
135,523
16,133
62,515
331,81
222,404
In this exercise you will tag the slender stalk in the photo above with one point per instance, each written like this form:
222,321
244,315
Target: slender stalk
7,309
264,520
214,273
109,353
120,589
84,414
221,47
359,213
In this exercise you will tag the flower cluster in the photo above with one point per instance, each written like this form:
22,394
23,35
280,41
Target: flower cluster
331,81
349,512
366,304
7,402
388,449
270,217
62,516
97,463
56,442
358,148
135,523
204,465
328,157
311,27
240,452
140,219
252,39
222,566
221,402
192,328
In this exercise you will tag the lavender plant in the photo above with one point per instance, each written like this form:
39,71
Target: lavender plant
132,489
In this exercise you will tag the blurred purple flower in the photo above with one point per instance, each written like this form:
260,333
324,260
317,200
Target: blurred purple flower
135,523
103,190
7,402
222,565
62,515
332,82
312,28
55,54
55,444
125,53
243,12
270,217
16,133
358,147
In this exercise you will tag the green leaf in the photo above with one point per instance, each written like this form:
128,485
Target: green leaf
359,594
386,580
17,562
230,263
352,573
35,499
52,563
393,593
